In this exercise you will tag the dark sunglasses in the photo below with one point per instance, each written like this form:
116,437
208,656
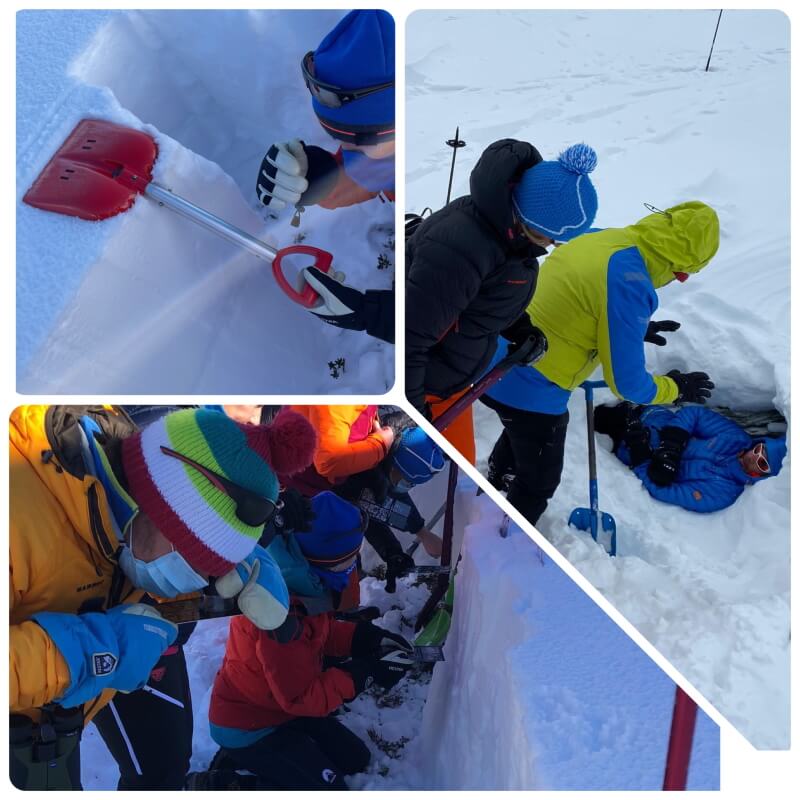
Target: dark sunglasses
251,508
334,96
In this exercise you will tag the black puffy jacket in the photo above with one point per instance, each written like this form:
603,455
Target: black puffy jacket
470,273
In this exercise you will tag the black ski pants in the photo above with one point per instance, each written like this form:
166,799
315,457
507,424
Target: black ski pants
305,753
531,447
150,735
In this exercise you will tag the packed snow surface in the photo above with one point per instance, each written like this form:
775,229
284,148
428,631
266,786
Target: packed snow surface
540,689
711,591
147,302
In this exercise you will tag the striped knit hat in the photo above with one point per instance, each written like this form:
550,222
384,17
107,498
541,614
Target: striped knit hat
199,519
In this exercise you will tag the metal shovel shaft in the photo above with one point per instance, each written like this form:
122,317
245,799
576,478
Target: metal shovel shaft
209,221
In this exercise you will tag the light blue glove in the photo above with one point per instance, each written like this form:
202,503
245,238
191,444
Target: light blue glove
115,650
259,589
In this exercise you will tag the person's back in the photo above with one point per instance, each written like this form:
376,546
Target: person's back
470,274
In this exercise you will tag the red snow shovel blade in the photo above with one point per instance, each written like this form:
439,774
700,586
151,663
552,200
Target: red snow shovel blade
96,173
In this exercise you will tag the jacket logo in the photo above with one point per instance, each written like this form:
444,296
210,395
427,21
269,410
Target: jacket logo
328,775
87,586
104,664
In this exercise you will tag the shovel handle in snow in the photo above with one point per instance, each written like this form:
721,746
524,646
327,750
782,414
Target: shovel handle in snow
681,736
443,580
102,167
529,352
592,519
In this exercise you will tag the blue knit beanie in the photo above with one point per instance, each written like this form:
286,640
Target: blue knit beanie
336,532
418,457
556,198
356,54
776,451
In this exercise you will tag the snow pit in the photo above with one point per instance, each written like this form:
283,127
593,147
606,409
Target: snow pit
710,591
148,302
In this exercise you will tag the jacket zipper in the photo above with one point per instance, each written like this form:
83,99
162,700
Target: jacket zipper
96,523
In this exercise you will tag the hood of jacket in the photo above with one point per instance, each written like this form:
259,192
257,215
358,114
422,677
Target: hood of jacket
500,166
684,238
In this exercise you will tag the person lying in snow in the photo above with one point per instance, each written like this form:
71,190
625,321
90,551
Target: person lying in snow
471,269
273,700
350,77
364,460
594,301
105,520
693,457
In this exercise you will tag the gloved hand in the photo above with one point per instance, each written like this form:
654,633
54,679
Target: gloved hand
282,175
666,460
114,650
339,304
386,671
259,589
637,438
520,329
296,512
368,639
654,328
360,673
693,387
397,565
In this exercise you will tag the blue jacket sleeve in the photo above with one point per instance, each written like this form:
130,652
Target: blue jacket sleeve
700,496
630,302
704,423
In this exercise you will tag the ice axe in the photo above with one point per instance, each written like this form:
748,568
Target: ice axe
592,519
102,167
526,353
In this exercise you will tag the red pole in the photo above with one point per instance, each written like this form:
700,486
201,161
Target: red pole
679,751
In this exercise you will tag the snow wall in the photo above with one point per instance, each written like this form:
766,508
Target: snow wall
540,689
148,302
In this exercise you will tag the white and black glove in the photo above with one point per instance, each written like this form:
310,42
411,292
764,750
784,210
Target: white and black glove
339,304
282,177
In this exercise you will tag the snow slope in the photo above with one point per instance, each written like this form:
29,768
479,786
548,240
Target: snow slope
539,690
711,592
147,302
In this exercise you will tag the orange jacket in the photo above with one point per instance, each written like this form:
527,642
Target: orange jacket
347,441
61,557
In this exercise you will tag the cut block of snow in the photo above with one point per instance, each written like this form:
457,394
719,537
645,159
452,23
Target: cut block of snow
148,302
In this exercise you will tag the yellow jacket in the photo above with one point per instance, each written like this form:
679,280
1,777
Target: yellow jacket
61,554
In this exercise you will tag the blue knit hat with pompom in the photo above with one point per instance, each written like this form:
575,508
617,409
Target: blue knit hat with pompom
556,198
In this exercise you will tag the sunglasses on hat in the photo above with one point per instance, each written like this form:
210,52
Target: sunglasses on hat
334,96
252,509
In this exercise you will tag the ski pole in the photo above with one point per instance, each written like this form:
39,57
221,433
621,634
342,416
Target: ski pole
714,39
455,143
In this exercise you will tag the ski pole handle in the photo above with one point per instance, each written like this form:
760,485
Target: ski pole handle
307,296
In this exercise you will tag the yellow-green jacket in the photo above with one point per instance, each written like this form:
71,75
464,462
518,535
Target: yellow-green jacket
594,300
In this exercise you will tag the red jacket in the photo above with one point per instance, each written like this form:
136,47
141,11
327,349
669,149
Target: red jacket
265,682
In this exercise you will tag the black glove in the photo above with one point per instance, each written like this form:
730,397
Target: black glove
359,670
664,465
520,329
693,387
637,439
654,328
296,513
340,305
397,565
368,639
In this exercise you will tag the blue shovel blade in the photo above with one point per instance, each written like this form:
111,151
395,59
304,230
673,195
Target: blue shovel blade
581,518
